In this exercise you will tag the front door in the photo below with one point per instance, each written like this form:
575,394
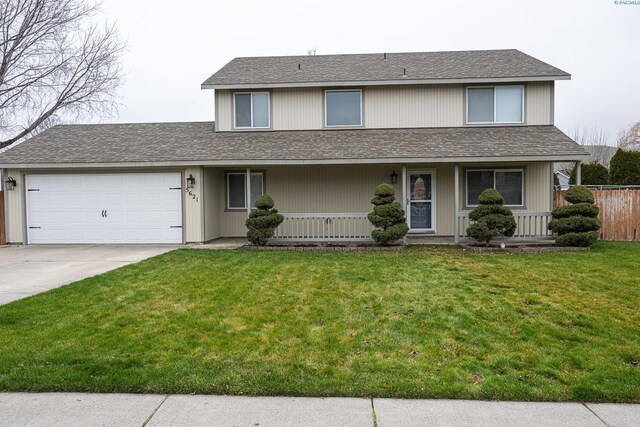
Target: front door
420,203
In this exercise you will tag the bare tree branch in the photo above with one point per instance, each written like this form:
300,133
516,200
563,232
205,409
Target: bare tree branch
56,64
629,139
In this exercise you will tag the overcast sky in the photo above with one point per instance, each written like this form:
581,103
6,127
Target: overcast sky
173,46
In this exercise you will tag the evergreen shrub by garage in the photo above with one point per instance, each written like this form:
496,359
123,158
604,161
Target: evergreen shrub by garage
576,224
263,221
491,219
387,216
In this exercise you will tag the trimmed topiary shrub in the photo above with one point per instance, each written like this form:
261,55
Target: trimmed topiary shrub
387,216
591,174
490,218
263,221
576,224
625,168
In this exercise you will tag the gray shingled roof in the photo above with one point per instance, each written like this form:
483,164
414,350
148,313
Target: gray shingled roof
419,66
197,143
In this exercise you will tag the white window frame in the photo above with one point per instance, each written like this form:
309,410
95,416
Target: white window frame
495,104
325,108
235,124
494,170
244,204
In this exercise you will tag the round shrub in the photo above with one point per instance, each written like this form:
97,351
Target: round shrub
490,196
576,224
568,225
263,221
491,219
387,216
577,239
579,194
583,209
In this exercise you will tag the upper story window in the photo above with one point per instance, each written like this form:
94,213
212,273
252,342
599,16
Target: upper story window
251,109
499,104
343,107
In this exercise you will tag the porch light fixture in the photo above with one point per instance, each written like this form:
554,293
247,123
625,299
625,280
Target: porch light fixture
10,184
394,177
191,181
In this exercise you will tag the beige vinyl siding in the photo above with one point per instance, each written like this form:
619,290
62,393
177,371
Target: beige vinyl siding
413,106
14,208
386,106
212,188
193,207
297,108
316,189
224,110
539,103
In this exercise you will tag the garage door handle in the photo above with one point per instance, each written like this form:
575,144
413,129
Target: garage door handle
35,227
175,226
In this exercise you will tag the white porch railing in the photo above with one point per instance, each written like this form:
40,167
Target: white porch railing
529,224
324,227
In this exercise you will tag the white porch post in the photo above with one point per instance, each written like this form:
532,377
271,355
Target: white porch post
578,173
248,191
456,203
404,197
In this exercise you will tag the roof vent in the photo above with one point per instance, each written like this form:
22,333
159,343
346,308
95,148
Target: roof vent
404,72
299,68
385,56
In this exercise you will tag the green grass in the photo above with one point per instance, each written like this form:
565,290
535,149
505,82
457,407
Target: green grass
423,322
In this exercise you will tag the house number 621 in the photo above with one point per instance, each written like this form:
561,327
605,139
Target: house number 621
191,194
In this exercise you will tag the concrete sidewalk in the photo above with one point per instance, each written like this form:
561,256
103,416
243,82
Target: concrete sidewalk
81,409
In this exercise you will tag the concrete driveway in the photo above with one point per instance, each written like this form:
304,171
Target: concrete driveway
29,270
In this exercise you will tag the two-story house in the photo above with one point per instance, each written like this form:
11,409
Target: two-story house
318,133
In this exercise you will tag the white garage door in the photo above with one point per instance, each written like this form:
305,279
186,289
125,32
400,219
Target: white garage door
104,208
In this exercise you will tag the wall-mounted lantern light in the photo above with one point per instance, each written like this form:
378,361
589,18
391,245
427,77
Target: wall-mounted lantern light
191,181
10,184
394,177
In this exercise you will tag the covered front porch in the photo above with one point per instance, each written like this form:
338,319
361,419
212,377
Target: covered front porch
330,203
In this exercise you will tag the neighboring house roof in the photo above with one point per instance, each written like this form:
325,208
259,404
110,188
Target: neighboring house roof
419,67
196,143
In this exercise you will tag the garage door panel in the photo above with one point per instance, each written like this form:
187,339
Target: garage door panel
104,208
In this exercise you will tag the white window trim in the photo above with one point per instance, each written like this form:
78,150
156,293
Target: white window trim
494,104
244,204
494,170
325,108
235,124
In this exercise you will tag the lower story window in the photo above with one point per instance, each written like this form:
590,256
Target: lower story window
509,182
237,187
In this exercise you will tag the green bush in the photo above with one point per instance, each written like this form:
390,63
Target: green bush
491,219
556,181
591,174
571,224
263,221
387,216
585,239
579,194
583,209
576,224
625,168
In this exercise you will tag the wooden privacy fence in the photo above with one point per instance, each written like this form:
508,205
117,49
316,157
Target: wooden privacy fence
3,231
619,212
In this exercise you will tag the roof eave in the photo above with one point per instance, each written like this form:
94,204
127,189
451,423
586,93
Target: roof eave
386,82
298,162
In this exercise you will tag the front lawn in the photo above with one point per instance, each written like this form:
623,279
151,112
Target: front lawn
423,322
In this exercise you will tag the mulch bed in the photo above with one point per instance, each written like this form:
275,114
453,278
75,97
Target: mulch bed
320,247
523,248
